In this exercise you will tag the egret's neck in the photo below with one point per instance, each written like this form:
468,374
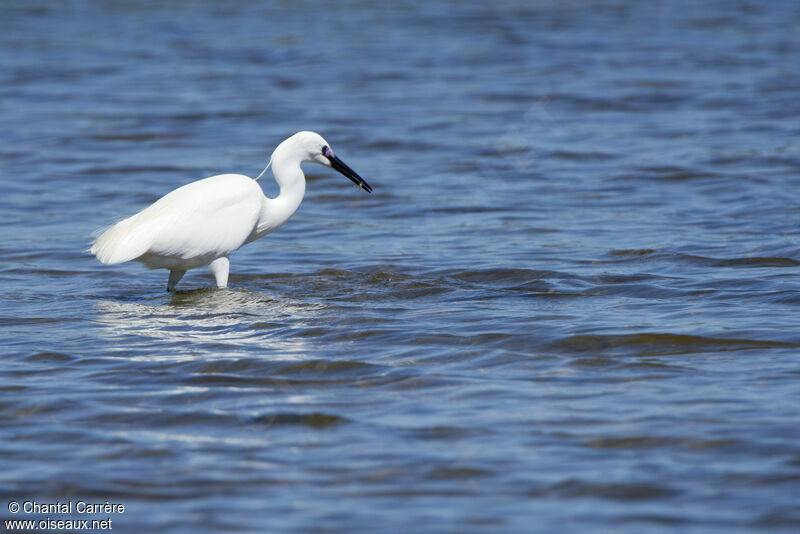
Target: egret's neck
278,210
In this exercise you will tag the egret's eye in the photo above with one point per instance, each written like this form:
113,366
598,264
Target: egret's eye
325,150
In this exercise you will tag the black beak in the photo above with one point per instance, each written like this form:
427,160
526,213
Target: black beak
340,166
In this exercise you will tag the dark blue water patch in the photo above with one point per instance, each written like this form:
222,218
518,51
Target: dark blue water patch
660,344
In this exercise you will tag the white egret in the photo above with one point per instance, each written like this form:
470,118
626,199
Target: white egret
202,222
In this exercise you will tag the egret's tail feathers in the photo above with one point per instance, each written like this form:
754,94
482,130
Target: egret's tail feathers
122,242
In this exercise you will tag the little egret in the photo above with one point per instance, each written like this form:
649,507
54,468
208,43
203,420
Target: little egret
202,222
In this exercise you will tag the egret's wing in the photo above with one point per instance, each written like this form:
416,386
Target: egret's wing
126,240
210,217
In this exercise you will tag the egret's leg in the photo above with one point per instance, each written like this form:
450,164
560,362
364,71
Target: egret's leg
174,278
220,268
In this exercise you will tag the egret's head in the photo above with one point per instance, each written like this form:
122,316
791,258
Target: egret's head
310,146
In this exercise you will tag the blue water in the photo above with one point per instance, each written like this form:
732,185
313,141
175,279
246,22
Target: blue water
570,304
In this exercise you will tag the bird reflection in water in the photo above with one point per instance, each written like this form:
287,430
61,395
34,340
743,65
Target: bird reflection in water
208,323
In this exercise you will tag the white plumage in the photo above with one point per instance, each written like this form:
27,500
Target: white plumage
203,222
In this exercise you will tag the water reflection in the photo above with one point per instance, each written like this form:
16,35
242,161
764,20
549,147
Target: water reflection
218,322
